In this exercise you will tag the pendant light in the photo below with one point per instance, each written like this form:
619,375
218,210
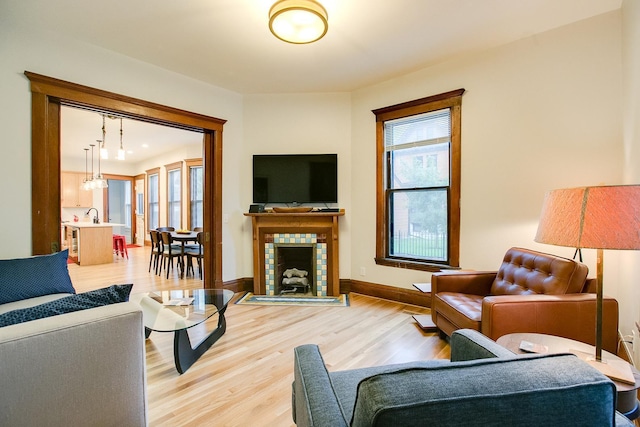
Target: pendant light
86,184
92,183
121,150
99,181
103,148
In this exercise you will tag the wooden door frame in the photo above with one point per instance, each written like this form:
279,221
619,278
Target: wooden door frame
49,94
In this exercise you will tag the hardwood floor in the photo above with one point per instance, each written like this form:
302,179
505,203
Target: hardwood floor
245,378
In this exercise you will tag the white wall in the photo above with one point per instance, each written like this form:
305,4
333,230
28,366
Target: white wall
48,54
538,114
629,289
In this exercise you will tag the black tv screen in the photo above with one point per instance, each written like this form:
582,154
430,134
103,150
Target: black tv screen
295,178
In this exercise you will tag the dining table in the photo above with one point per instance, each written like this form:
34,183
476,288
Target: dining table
184,237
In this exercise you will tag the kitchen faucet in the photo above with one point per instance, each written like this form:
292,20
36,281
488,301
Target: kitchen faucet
96,220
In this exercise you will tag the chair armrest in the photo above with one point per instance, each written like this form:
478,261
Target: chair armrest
314,402
571,316
467,344
464,282
621,420
74,367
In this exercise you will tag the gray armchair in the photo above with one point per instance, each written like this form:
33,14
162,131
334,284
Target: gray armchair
483,384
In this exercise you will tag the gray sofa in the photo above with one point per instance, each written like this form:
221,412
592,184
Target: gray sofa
85,368
484,384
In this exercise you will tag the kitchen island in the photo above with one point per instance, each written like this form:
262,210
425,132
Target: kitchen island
89,243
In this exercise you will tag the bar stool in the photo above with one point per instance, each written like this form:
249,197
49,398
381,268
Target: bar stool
120,245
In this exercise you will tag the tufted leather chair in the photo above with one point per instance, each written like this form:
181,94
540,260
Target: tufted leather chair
531,292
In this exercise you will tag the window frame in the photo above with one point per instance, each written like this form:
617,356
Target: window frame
149,174
192,163
449,100
173,167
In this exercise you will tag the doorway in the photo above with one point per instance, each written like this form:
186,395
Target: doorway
120,207
47,97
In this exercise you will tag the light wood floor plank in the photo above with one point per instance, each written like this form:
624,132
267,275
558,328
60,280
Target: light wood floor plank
245,378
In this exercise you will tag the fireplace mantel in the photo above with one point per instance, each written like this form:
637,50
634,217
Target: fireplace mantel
309,222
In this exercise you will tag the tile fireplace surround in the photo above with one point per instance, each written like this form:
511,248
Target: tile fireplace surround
318,275
316,229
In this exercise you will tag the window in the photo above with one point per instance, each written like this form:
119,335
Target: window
418,183
174,193
196,194
153,198
127,204
140,204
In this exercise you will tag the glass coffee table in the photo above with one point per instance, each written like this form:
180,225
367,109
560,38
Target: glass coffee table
178,310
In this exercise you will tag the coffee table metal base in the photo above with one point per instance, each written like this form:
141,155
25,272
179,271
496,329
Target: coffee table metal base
184,353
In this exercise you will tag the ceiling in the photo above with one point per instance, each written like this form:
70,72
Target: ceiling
140,140
227,43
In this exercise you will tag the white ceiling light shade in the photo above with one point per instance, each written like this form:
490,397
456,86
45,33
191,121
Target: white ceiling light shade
298,21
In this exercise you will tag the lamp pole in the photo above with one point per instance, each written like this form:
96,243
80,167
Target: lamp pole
599,275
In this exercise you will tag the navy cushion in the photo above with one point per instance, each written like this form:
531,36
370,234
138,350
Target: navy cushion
97,298
31,277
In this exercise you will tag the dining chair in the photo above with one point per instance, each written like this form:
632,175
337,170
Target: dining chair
169,252
195,252
161,229
195,244
156,250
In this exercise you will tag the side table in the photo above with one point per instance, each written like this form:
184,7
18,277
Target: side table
424,320
627,400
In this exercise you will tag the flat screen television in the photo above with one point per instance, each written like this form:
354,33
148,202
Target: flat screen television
295,178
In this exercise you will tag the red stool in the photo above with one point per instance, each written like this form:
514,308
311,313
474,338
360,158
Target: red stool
120,245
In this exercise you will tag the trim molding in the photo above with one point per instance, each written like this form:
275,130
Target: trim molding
392,293
244,284
403,295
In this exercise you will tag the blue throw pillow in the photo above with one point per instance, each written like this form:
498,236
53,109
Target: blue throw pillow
31,277
105,296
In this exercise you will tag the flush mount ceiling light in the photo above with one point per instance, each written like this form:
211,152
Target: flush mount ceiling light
298,21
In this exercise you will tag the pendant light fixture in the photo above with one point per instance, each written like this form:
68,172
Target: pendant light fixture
121,150
86,184
298,21
99,181
92,183
95,181
103,148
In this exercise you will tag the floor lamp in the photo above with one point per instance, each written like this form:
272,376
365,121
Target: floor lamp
603,217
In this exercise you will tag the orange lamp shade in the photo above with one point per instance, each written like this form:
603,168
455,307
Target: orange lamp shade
603,217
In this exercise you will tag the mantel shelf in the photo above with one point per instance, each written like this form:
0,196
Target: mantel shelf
305,214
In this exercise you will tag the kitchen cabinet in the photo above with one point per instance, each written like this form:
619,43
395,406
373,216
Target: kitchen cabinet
72,194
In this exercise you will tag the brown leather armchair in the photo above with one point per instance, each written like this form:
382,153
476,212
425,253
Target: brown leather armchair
531,292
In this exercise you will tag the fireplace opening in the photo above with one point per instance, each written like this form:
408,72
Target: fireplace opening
295,269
